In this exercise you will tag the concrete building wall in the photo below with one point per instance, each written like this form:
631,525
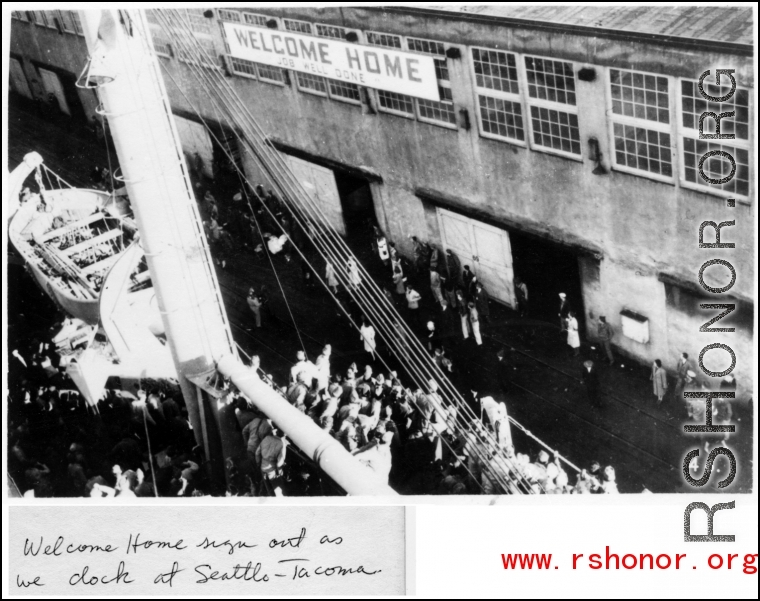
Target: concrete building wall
64,53
639,226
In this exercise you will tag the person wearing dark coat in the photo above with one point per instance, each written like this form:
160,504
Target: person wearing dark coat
467,277
481,302
590,379
455,267
504,371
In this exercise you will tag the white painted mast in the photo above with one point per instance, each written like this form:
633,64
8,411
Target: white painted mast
126,71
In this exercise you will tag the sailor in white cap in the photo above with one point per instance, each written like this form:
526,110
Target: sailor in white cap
564,309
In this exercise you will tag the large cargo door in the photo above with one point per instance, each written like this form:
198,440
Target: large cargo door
493,261
319,183
485,248
195,139
19,83
52,85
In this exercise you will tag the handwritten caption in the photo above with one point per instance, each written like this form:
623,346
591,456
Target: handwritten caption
293,568
262,553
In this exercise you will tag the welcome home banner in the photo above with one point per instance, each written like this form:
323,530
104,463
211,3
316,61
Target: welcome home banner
372,66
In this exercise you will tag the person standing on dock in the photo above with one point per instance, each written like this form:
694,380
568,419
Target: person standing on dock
435,286
604,333
368,336
564,310
573,336
467,277
659,380
254,304
521,292
413,302
590,379
398,277
323,367
331,277
353,274
475,322
481,299
455,267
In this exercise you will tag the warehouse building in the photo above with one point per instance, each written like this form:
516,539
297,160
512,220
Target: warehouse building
559,144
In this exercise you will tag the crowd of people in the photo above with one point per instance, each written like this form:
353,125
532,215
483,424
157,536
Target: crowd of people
405,437
135,442
141,442
394,428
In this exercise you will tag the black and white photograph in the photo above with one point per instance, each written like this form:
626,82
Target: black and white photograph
380,251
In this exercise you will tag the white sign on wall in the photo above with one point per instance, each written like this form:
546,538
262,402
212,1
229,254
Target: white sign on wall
371,66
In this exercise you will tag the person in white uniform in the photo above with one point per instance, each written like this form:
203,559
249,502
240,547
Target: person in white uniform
368,336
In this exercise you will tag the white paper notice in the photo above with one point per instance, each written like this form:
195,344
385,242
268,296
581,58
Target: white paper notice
205,551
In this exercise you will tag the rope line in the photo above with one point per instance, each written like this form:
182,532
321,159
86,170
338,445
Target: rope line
332,248
484,458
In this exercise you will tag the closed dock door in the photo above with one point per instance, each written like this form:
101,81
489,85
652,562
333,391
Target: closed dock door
485,248
319,183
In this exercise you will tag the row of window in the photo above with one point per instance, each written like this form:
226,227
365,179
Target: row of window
307,82
192,28
60,20
531,101
525,100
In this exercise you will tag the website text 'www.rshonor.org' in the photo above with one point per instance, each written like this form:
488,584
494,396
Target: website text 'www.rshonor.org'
608,560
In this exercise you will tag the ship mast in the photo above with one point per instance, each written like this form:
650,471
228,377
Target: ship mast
126,72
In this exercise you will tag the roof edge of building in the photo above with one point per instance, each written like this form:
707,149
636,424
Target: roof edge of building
684,282
633,36
357,171
461,206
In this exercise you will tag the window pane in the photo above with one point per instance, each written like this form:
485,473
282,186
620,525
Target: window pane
67,21
311,83
197,21
427,46
299,26
495,70
383,39
229,15
253,19
555,129
501,118
552,80
268,73
331,31
716,167
640,95
694,104
396,102
643,149
243,67
341,90
50,17
438,111
77,22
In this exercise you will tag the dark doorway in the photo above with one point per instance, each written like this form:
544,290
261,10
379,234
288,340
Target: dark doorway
70,90
547,269
226,158
356,200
